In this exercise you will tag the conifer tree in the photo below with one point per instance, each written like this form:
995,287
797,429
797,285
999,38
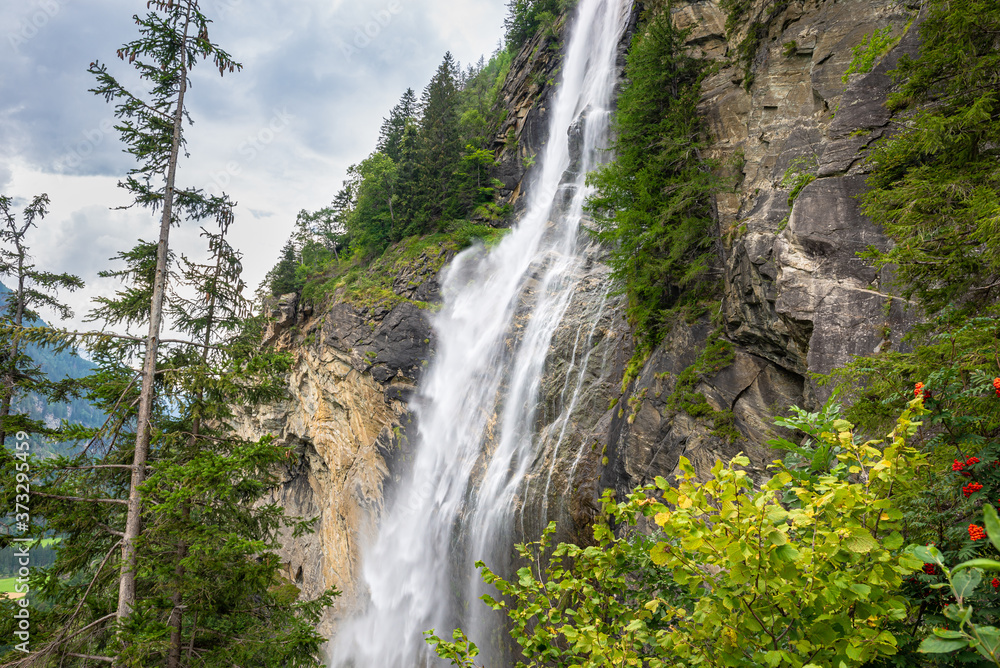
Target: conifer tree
439,148
208,591
935,183
653,202
390,140
407,178
167,543
283,279
33,288
173,38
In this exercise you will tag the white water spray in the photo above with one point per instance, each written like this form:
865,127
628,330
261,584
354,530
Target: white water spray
476,407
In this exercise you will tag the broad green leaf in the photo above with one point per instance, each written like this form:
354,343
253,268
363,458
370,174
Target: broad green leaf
786,552
966,582
957,614
860,542
894,541
945,633
985,564
989,641
929,554
932,645
860,589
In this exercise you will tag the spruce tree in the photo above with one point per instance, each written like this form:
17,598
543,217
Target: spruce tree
173,38
208,589
935,182
283,279
166,537
390,141
439,148
33,289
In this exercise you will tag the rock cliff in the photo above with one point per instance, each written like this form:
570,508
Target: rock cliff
797,299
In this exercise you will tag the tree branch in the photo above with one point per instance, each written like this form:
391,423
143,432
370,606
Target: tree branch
91,657
78,498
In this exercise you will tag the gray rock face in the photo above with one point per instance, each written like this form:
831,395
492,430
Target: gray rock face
798,300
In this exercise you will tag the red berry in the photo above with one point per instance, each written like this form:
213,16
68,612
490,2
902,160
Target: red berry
958,465
995,582
976,532
971,461
971,489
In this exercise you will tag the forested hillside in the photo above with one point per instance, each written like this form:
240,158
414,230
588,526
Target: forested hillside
56,366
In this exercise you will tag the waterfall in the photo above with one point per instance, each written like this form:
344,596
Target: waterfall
476,406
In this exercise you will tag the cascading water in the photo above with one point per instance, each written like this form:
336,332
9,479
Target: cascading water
476,408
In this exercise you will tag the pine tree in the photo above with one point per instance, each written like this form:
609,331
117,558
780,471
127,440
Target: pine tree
33,289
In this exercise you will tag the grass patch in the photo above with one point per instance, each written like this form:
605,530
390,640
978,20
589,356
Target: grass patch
375,283
7,585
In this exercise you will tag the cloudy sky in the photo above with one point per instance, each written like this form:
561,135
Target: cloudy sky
318,77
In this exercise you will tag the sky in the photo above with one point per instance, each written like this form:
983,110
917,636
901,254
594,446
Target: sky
318,78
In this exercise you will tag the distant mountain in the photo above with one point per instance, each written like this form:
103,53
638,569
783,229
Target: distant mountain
57,366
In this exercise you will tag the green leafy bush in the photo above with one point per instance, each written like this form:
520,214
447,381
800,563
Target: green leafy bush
733,575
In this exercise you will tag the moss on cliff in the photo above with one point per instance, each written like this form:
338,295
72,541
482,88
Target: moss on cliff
397,275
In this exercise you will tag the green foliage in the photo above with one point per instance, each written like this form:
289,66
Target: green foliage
431,167
733,577
800,173
963,580
869,51
954,361
374,283
653,202
935,181
21,376
283,280
390,141
716,356
814,455
207,576
526,17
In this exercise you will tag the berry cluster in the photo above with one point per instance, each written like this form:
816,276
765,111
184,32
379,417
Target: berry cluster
959,466
976,532
996,385
930,569
971,489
